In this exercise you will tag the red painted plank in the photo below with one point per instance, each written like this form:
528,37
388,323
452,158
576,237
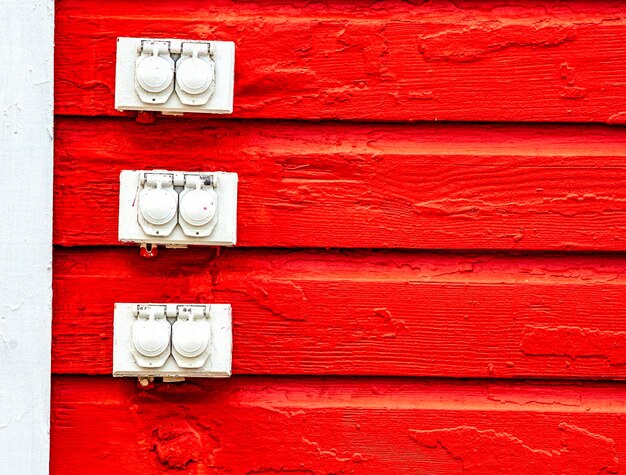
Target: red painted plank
363,186
362,313
318,426
394,60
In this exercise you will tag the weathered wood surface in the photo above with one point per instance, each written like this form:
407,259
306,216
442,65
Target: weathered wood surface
362,313
26,163
270,426
396,311
392,60
363,185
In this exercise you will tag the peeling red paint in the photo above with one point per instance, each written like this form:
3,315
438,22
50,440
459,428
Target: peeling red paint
360,426
345,203
534,394
279,471
334,454
354,61
481,40
487,451
176,444
391,326
346,185
356,312
575,342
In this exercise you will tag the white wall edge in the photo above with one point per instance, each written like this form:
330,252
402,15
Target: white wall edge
26,167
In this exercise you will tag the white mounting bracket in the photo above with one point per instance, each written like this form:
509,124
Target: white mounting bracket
175,76
172,340
178,208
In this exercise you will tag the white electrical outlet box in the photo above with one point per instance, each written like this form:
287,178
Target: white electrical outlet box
175,76
172,340
178,208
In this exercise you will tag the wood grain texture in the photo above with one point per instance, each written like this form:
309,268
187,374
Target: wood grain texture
26,163
252,426
363,186
362,313
392,61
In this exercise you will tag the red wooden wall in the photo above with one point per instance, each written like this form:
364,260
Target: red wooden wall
458,212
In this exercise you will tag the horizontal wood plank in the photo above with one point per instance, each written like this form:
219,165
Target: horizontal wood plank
363,186
392,61
317,426
362,313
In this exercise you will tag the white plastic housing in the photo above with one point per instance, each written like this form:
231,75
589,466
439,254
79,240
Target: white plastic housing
192,224
193,92
212,361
